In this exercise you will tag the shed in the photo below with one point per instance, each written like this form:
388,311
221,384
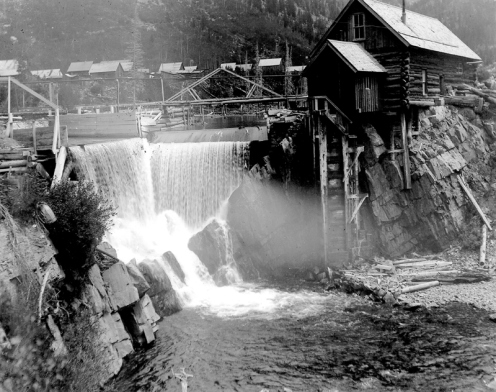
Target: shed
245,67
230,66
347,74
269,65
48,73
9,67
80,68
171,68
296,68
106,69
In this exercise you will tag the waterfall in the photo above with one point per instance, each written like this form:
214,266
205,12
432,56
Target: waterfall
164,193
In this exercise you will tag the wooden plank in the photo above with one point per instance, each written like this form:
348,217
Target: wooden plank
474,202
323,179
406,155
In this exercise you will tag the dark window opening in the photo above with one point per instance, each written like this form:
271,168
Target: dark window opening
358,24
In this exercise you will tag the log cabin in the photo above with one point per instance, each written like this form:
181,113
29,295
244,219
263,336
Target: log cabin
377,63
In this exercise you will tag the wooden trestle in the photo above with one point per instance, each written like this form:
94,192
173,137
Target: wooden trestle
338,166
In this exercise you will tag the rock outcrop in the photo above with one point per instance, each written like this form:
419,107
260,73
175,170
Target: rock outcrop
434,212
170,259
162,294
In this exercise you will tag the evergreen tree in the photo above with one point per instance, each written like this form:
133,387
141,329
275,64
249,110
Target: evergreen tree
134,53
288,78
257,71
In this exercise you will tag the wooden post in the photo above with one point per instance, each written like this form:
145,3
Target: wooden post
162,85
346,182
79,109
406,153
34,137
59,166
482,256
323,179
56,133
474,202
112,109
118,93
9,115
97,110
50,91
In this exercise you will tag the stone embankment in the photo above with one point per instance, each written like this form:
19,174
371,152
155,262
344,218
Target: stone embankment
125,300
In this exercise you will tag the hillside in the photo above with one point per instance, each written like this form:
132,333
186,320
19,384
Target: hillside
52,33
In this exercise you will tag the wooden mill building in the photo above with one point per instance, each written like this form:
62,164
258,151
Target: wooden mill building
377,63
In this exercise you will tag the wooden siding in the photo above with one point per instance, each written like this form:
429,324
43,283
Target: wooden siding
367,94
331,77
377,37
104,124
44,137
451,68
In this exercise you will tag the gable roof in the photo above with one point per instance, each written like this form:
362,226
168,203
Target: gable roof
171,67
231,66
244,67
295,68
80,66
419,31
9,67
48,73
105,66
127,65
354,55
270,62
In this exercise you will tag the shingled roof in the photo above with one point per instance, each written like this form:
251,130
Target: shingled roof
419,31
105,66
80,66
356,56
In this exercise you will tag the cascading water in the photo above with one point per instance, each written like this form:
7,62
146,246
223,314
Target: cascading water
164,193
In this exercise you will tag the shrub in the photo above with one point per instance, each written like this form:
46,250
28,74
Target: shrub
83,217
21,201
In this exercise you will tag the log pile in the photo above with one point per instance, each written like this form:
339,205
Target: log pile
386,280
17,161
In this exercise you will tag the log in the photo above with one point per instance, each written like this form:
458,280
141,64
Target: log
419,287
16,163
479,93
474,202
405,261
482,256
425,264
15,170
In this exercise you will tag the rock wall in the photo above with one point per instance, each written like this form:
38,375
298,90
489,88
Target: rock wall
435,211
121,298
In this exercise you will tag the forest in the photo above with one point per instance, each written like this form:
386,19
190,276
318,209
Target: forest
53,33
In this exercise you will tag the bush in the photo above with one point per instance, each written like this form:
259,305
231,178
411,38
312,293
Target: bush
83,217
21,202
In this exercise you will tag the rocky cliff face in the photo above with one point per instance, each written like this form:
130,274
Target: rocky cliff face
435,211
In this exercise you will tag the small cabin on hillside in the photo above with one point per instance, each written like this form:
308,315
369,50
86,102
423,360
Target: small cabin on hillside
80,68
376,64
421,56
271,65
107,69
9,68
47,74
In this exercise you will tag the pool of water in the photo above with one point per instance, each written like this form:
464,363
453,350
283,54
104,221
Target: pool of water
316,341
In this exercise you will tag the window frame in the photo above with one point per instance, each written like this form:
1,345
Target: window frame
425,90
358,27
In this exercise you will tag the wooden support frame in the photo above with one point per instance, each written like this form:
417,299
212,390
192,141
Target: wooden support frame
323,180
407,176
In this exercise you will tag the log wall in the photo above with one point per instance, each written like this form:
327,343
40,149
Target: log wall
101,124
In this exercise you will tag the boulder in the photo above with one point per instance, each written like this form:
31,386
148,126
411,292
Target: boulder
161,293
141,321
170,259
96,280
156,277
106,248
121,289
209,246
137,278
